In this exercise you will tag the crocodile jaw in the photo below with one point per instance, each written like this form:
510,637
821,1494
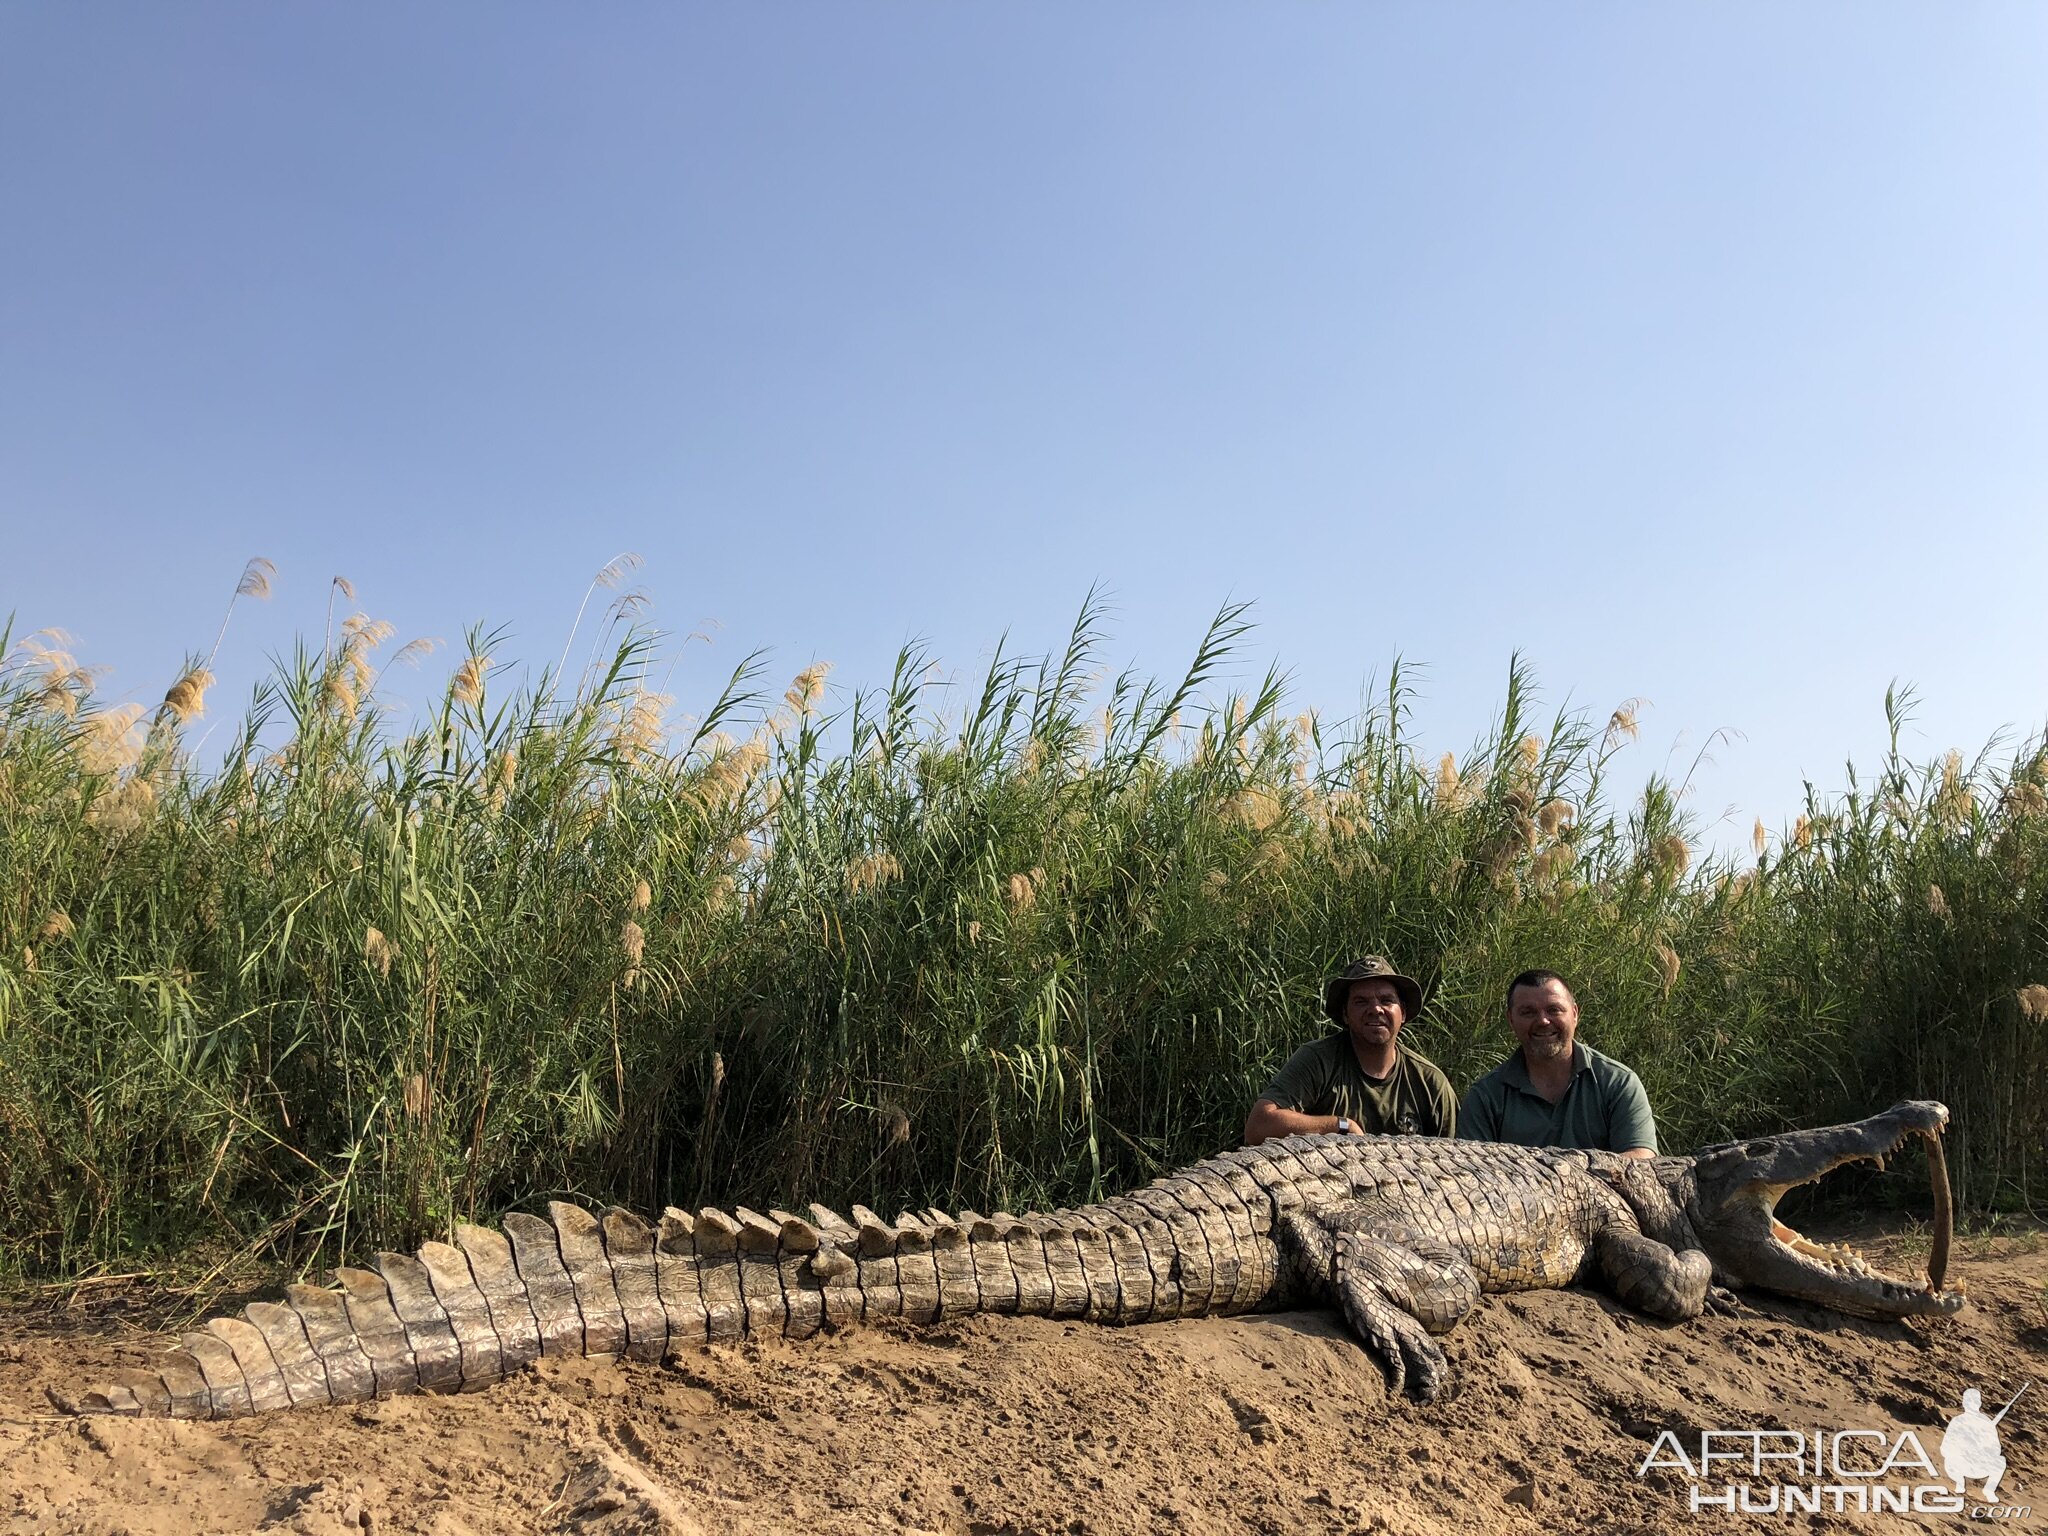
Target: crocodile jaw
1735,1198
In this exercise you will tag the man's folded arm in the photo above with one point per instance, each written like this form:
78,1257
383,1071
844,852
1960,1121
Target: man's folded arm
1276,1111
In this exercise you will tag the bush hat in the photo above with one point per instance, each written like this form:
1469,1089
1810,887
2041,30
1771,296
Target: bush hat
1372,968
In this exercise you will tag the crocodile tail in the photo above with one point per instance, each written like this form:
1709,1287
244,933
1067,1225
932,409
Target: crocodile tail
456,1316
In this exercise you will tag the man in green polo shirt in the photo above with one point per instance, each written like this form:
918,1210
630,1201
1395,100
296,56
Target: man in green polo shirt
1555,1092
1359,1079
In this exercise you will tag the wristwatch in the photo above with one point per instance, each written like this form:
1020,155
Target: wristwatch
1343,1126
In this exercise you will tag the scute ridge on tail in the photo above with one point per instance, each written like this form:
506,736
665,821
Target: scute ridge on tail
1402,1234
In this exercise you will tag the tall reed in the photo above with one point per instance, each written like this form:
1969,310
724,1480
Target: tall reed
366,976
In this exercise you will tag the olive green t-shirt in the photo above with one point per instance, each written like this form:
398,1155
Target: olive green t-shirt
1604,1107
1324,1078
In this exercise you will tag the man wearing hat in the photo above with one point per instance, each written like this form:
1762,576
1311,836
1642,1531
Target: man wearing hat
1359,1079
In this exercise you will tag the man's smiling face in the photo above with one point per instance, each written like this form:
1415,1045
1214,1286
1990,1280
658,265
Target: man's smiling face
1373,1013
1545,1019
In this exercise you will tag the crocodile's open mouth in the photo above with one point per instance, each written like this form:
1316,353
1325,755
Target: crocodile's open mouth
1740,1186
1847,1259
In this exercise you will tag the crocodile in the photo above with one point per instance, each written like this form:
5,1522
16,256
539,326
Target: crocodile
1401,1233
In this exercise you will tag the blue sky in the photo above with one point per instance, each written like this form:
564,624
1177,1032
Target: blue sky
1698,353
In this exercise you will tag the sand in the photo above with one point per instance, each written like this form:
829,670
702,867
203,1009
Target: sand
1271,1424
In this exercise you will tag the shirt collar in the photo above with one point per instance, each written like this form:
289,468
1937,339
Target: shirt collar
1517,1067
1345,1036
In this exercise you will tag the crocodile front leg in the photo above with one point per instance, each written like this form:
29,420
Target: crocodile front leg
1648,1275
1652,1278
1394,1286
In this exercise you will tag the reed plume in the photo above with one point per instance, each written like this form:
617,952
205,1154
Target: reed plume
106,741
186,700
609,575
1954,801
873,870
633,945
504,774
1020,891
255,582
64,683
467,686
1622,725
1553,863
1448,783
642,727
807,688
1255,807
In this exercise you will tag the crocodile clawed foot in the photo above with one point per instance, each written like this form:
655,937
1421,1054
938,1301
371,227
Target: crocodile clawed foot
1429,1372
1409,1356
1723,1302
